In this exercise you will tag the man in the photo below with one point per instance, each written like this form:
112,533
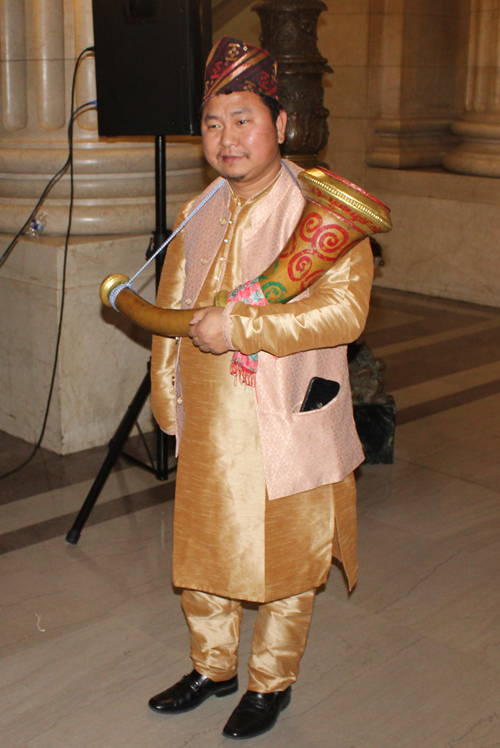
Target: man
265,493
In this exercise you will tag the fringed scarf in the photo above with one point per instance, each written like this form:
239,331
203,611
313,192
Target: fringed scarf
242,366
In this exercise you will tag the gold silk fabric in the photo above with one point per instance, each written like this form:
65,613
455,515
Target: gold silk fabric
279,638
230,539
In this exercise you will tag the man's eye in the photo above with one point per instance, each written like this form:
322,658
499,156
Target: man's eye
242,121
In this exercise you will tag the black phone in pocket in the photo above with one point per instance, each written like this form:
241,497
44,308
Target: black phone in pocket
319,393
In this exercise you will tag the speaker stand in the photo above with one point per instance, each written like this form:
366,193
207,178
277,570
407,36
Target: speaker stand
122,433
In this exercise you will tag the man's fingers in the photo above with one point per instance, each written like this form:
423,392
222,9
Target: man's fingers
199,314
206,330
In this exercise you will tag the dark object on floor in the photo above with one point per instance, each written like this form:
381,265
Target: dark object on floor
374,410
191,691
256,713
375,423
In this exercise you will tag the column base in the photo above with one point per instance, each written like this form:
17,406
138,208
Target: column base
479,153
114,185
407,144
126,215
102,356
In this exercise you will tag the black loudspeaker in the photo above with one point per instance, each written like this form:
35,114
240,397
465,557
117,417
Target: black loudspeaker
150,57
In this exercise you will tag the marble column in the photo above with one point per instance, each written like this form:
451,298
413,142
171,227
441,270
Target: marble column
412,63
479,126
102,358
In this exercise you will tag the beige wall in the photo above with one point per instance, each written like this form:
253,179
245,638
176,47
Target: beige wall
397,101
426,62
343,36
245,25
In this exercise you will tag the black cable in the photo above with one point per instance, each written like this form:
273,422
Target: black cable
55,178
21,231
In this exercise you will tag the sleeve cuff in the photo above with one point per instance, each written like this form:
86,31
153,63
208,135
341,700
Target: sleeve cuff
226,325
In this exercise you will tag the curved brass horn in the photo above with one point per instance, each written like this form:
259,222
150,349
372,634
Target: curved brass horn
167,322
337,215
109,284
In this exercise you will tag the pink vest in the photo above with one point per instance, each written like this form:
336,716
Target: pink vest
300,451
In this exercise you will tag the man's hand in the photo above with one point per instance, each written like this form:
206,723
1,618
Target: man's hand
206,330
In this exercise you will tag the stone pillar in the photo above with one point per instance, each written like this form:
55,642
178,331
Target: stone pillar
289,34
412,81
479,126
102,357
114,178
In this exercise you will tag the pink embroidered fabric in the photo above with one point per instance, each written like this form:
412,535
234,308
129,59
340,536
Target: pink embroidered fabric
242,366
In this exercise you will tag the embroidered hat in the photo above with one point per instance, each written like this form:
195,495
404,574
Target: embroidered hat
233,65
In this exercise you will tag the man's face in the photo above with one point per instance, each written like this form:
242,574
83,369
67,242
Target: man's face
241,141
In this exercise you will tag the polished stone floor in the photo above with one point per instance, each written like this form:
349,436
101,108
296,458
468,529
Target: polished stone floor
410,660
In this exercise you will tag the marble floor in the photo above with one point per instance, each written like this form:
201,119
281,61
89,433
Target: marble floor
411,659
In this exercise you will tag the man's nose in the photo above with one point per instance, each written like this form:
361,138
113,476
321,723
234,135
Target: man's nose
229,137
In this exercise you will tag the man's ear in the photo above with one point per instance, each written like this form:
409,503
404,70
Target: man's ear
281,125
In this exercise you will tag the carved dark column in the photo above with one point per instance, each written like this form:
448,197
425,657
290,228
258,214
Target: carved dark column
289,33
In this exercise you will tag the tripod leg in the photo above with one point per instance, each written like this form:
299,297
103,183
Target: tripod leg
115,447
161,454
160,235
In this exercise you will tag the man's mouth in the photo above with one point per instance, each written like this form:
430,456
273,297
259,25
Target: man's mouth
231,158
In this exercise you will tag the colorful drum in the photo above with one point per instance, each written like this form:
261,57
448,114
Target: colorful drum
337,216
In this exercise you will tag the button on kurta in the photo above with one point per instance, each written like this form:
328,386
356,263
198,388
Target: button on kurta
179,400
203,260
189,301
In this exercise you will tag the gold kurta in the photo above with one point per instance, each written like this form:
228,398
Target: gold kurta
229,539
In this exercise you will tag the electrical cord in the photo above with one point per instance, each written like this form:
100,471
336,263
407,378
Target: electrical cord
55,178
61,171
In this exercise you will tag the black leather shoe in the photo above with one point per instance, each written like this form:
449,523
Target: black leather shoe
190,692
256,713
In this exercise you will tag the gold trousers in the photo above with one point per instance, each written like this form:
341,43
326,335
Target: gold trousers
279,638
